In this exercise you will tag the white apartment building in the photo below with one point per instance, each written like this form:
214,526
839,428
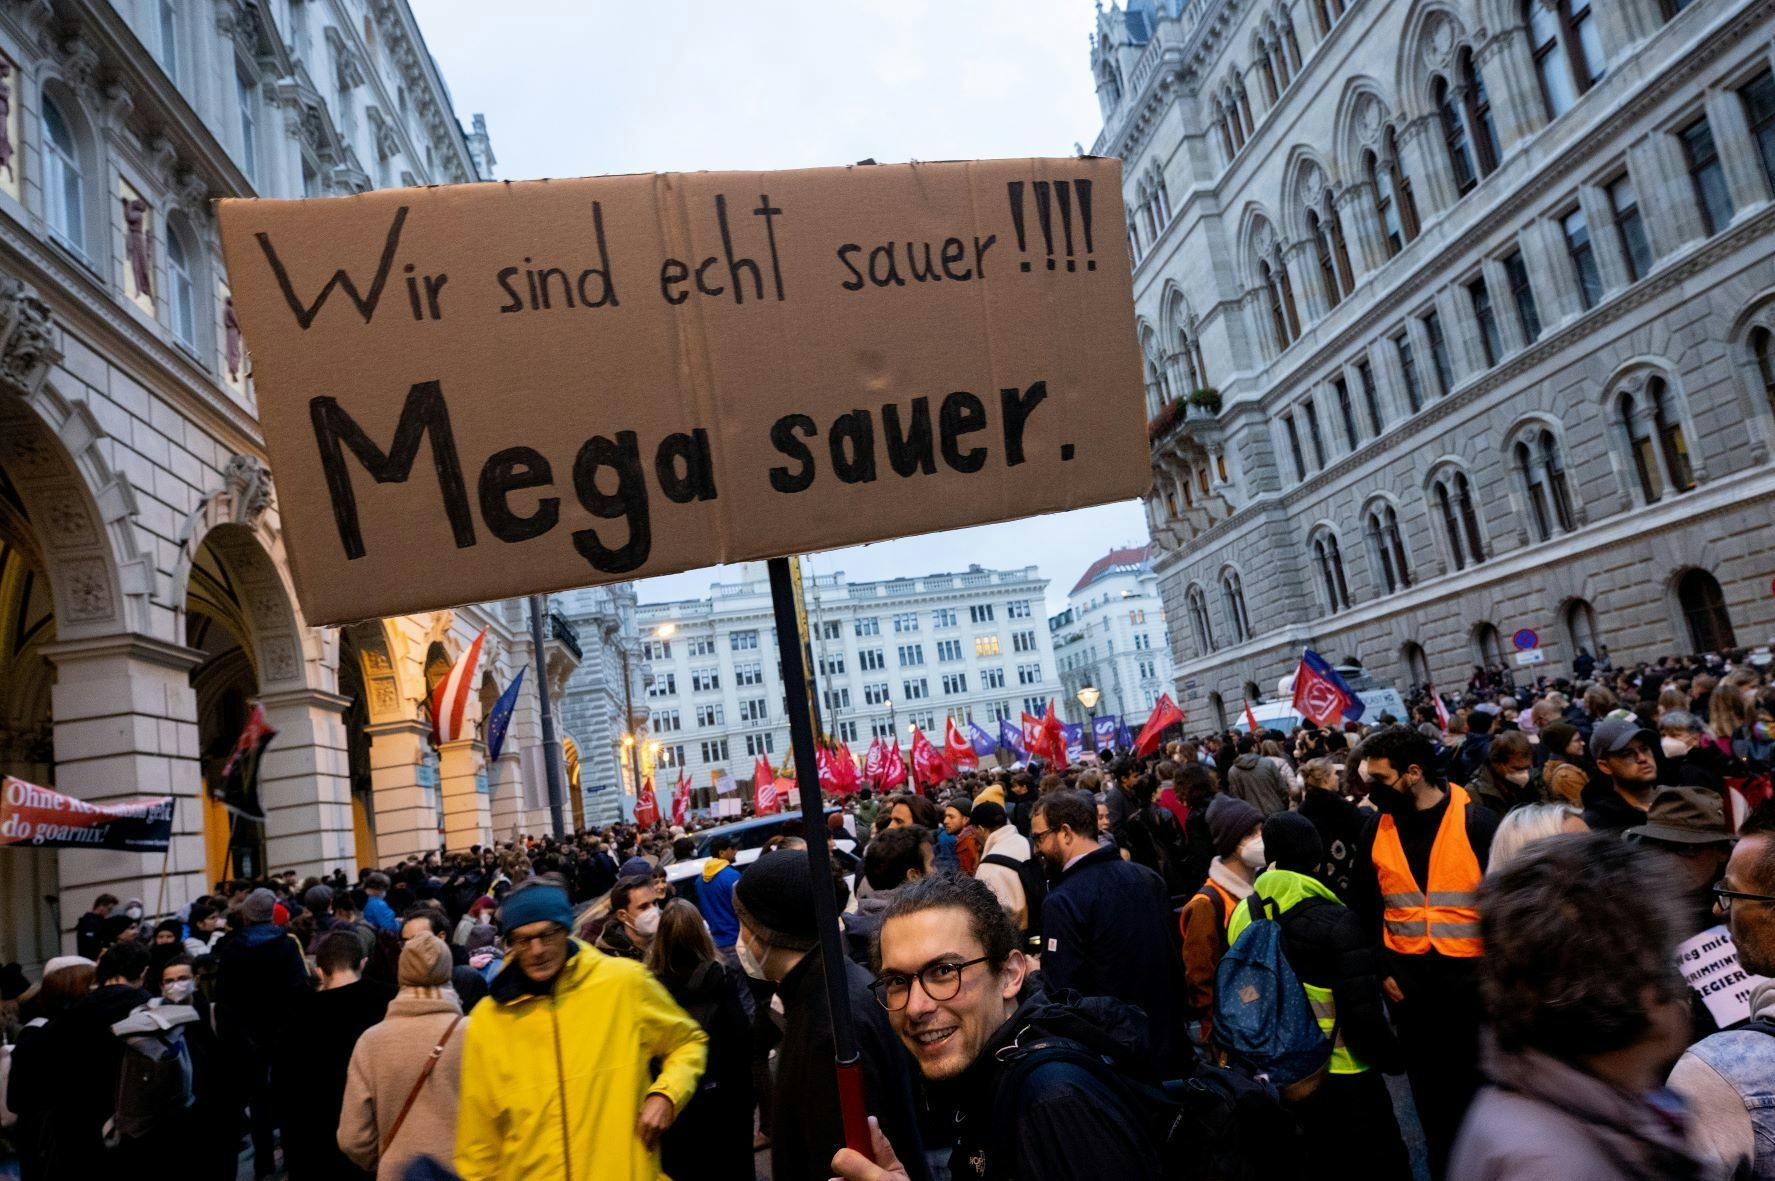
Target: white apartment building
1111,637
887,655
1458,319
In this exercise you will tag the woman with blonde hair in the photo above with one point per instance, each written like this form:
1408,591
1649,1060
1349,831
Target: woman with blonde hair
1522,827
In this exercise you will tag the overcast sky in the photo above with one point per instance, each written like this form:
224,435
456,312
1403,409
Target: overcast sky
572,88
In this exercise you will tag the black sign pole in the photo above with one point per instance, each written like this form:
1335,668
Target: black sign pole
797,693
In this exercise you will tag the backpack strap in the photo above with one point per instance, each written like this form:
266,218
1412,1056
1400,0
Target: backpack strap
431,1064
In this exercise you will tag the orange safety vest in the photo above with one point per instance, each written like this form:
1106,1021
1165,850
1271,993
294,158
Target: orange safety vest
1446,917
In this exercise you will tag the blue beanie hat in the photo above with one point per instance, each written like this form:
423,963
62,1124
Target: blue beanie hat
535,902
635,867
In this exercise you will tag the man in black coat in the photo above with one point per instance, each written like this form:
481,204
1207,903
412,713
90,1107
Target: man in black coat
85,1060
313,1053
89,929
1039,1083
1106,925
259,974
778,941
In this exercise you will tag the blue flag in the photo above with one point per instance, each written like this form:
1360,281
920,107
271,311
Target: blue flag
501,717
1103,730
983,743
1075,739
1124,737
1010,737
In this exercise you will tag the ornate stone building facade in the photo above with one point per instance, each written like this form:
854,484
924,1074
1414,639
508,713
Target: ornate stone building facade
1111,637
1457,317
145,595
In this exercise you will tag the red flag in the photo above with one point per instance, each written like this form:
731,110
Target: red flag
1050,740
449,701
767,790
1250,718
874,763
647,805
1032,734
681,797
958,748
761,772
893,767
1165,714
1441,709
847,768
929,767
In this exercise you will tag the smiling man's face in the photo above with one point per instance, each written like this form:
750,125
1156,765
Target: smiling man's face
946,1036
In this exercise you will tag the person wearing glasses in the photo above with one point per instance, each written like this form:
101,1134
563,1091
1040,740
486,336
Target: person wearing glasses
558,1082
1036,1098
1729,1078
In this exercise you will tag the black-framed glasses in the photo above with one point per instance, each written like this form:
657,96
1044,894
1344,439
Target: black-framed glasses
1725,897
941,981
541,938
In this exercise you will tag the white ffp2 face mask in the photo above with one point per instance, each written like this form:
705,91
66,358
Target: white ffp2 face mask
748,962
178,991
1252,854
1674,748
648,921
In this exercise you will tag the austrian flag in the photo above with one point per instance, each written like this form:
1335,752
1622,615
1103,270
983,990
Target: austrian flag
449,701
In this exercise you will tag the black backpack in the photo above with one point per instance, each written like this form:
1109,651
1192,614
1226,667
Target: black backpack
1035,891
1219,1124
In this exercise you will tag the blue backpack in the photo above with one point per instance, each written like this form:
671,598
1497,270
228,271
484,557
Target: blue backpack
1261,1015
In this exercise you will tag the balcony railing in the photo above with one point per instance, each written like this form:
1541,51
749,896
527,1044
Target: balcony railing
563,632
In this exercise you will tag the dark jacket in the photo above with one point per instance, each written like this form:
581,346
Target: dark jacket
1259,782
1065,1121
308,1073
1154,839
1106,931
1469,757
1606,810
1339,822
712,1136
89,935
85,1058
259,974
806,1129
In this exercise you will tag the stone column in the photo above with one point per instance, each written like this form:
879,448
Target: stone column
305,784
1738,152
1503,307
1420,152
507,810
1550,273
1362,226
1261,323
1507,67
1666,193
1605,239
467,809
125,721
406,808
1302,261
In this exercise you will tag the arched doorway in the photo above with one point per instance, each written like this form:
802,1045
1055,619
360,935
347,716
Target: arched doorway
1580,627
226,683
27,745
1417,665
1217,707
1704,610
1488,646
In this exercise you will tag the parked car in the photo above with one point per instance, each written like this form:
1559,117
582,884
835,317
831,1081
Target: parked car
686,877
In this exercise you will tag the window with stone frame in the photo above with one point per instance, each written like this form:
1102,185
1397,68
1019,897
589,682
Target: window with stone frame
1330,560
1707,174
1386,547
1232,594
1566,43
1540,467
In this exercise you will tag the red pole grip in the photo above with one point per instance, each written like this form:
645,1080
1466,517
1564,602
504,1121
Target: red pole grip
855,1110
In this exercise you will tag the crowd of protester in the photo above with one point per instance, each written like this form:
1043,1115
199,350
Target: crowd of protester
1200,961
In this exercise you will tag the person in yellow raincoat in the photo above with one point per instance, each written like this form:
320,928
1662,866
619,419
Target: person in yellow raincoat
556,1081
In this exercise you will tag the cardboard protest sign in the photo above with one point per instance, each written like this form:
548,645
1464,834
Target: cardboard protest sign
1709,963
481,391
47,819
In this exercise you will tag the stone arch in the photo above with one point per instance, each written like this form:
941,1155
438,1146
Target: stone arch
1363,110
1307,177
1752,344
1429,47
237,522
1259,240
376,649
83,508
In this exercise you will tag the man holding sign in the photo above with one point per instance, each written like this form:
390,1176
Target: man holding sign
1729,1078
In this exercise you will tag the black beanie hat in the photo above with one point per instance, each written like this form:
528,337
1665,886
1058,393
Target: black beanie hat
1291,841
775,897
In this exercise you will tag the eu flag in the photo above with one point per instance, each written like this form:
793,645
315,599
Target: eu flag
501,717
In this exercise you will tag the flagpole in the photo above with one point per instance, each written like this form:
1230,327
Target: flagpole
550,745
798,689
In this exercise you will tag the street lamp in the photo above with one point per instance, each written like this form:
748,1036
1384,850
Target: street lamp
666,631
1088,697
893,723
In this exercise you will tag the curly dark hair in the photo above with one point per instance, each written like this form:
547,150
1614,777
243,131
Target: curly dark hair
1575,932
894,854
987,921
1402,747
